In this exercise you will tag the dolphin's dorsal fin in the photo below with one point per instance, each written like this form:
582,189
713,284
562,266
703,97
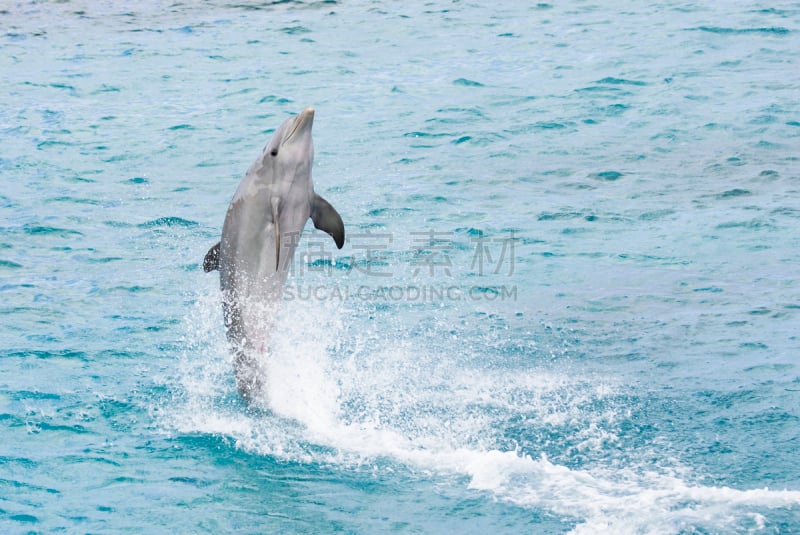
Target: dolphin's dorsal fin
211,261
325,217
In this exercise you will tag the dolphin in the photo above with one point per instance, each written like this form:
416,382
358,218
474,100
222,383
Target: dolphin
261,231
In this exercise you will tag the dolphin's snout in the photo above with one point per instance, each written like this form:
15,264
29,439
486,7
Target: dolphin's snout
304,120
305,116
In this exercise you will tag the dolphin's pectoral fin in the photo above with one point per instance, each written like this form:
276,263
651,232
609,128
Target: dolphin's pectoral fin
277,227
325,217
211,261
277,245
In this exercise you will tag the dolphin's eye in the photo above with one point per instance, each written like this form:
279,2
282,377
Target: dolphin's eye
274,152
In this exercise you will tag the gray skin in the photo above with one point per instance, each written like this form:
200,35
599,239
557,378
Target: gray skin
259,237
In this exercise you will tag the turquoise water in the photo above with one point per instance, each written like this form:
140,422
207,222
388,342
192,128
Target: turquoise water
568,302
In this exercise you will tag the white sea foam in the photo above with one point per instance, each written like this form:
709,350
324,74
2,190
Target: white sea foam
346,399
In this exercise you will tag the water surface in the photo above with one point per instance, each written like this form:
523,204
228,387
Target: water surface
568,302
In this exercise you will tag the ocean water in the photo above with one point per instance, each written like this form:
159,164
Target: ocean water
568,303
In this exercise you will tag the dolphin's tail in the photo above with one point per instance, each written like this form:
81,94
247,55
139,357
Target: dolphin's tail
249,377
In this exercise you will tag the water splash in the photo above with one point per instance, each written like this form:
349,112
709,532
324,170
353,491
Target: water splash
377,395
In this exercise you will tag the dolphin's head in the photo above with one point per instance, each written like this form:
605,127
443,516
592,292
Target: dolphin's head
290,152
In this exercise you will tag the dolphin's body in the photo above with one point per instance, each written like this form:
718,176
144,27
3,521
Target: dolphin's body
259,237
